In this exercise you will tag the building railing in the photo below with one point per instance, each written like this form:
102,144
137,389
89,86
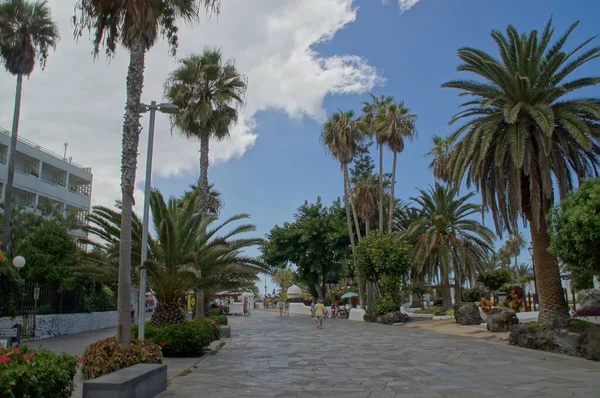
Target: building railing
46,151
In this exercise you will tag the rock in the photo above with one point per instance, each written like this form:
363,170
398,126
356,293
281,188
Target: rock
536,337
588,344
388,319
370,317
467,314
501,319
589,298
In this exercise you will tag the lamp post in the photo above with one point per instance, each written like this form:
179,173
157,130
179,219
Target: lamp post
18,262
163,108
530,249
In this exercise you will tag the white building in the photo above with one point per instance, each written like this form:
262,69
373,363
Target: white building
40,173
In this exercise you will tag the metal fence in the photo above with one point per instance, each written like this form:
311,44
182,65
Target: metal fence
32,298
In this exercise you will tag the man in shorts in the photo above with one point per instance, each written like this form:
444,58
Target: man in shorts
319,313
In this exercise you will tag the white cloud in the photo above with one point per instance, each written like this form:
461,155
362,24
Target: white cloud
80,101
406,5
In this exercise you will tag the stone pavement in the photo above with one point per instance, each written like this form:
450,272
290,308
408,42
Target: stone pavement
270,356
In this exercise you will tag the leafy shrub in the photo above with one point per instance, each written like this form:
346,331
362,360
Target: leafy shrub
438,302
516,299
431,310
386,304
495,279
214,311
220,319
471,295
42,373
485,304
107,356
186,339
591,311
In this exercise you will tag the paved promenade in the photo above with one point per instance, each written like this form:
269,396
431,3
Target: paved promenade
269,356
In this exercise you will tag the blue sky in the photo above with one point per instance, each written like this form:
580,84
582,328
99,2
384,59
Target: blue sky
415,52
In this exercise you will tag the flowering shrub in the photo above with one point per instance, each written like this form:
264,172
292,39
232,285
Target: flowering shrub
485,304
516,299
42,373
187,339
107,356
591,311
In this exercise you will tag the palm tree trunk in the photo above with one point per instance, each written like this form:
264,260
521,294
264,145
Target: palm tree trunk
380,187
361,296
204,142
458,279
12,155
131,134
446,296
353,207
392,202
553,307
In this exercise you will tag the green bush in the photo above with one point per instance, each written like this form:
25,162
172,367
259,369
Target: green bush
214,311
186,339
220,319
107,356
471,295
42,373
386,304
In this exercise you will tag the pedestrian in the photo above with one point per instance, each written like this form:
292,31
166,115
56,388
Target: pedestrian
280,306
319,313
336,305
312,308
287,308
132,314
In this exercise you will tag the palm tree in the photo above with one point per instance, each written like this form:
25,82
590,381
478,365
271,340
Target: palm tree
396,124
283,278
367,192
27,33
209,92
439,153
514,244
341,136
371,111
215,200
135,24
526,137
522,274
449,239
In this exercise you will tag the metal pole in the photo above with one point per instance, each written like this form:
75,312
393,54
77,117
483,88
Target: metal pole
144,254
535,293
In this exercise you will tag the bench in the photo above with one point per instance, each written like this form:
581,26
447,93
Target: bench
137,381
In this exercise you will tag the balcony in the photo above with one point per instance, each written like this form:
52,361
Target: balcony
53,175
3,154
27,165
23,199
79,186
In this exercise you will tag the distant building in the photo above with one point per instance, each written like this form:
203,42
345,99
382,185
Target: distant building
43,177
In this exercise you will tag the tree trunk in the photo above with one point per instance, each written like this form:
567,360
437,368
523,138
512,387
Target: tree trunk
446,296
458,279
353,206
553,307
380,187
204,142
200,304
12,155
414,280
351,231
325,269
131,134
392,201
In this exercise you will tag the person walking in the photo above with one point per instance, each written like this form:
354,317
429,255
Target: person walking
319,313
287,308
312,308
280,306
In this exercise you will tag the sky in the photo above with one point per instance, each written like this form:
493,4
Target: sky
304,60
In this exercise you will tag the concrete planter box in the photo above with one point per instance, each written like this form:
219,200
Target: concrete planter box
141,380
421,316
225,331
442,317
357,314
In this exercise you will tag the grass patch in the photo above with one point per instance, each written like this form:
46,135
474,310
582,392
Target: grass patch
532,324
185,372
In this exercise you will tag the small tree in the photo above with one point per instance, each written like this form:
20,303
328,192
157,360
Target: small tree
575,231
495,279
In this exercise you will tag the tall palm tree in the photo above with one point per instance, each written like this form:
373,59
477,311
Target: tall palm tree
136,25
522,274
341,136
370,112
438,153
209,91
27,33
215,200
449,239
525,137
396,124
283,278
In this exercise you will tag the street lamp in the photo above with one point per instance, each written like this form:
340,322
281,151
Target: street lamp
168,109
535,293
18,262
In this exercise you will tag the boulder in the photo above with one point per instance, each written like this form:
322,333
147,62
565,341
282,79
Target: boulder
588,344
535,336
501,319
467,314
589,298
387,319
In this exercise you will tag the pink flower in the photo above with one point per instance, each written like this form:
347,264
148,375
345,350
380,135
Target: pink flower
16,350
28,357
162,343
79,360
4,358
